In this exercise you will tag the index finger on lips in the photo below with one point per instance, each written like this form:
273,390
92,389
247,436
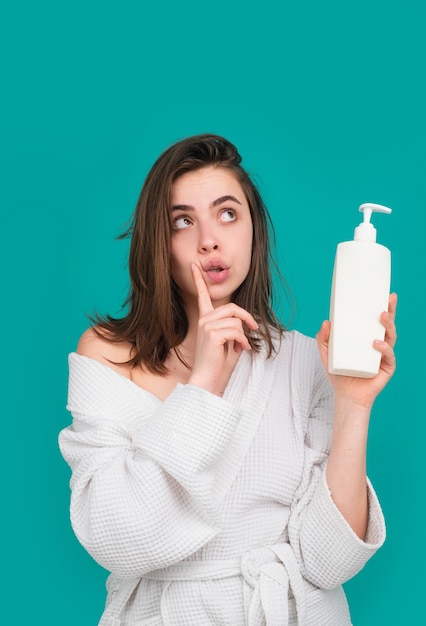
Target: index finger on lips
204,300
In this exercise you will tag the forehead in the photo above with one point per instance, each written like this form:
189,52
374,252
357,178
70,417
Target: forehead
208,184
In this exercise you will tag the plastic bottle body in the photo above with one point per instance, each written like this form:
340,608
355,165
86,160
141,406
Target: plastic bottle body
359,294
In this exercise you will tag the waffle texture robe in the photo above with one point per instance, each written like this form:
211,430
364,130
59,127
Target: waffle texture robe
214,511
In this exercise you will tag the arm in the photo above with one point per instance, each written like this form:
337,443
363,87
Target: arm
354,398
143,472
328,550
144,493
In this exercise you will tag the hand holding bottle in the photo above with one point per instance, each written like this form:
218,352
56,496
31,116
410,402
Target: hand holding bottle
363,391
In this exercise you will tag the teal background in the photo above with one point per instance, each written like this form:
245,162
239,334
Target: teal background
326,103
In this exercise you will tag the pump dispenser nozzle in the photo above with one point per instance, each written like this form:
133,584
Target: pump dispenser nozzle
366,231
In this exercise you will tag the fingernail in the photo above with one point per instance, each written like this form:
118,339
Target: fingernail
378,342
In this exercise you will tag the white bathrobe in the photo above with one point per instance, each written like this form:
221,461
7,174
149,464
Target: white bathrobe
214,511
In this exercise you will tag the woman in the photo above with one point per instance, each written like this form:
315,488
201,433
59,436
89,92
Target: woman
217,474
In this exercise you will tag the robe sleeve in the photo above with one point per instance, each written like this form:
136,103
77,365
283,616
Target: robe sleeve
143,471
328,550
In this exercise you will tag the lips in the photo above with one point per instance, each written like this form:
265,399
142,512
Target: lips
215,265
216,270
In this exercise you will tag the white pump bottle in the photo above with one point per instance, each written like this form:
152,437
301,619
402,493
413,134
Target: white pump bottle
359,294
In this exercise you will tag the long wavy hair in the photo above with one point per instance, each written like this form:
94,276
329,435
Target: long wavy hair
155,321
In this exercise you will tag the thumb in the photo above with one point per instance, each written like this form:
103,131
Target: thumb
323,336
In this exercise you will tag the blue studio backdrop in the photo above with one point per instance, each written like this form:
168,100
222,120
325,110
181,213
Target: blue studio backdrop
326,104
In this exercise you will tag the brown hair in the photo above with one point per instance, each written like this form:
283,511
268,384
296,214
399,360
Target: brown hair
156,321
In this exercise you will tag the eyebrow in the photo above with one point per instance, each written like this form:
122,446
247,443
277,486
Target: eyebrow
217,202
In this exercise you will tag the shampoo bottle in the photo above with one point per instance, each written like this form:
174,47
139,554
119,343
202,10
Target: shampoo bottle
359,294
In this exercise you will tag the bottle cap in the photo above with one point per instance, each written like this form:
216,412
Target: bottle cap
366,231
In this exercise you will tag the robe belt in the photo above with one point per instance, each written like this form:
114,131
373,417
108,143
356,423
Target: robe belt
268,573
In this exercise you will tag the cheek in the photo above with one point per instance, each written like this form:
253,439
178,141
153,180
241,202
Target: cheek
173,259
176,249
249,247
179,263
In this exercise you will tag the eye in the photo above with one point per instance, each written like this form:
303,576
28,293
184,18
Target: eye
183,221
228,215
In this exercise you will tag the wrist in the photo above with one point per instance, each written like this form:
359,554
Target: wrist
359,403
346,408
207,385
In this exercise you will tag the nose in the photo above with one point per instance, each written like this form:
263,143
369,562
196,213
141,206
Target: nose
208,242
208,246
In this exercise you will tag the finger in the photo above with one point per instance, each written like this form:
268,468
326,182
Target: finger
388,363
388,320
232,310
238,347
226,329
233,336
204,301
322,338
390,328
393,301
323,334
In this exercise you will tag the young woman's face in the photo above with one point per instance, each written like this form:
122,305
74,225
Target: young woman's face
212,227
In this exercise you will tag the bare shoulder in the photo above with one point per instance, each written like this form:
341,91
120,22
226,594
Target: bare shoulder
93,345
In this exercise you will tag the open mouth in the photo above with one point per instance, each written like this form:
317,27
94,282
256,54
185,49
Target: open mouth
215,265
216,272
